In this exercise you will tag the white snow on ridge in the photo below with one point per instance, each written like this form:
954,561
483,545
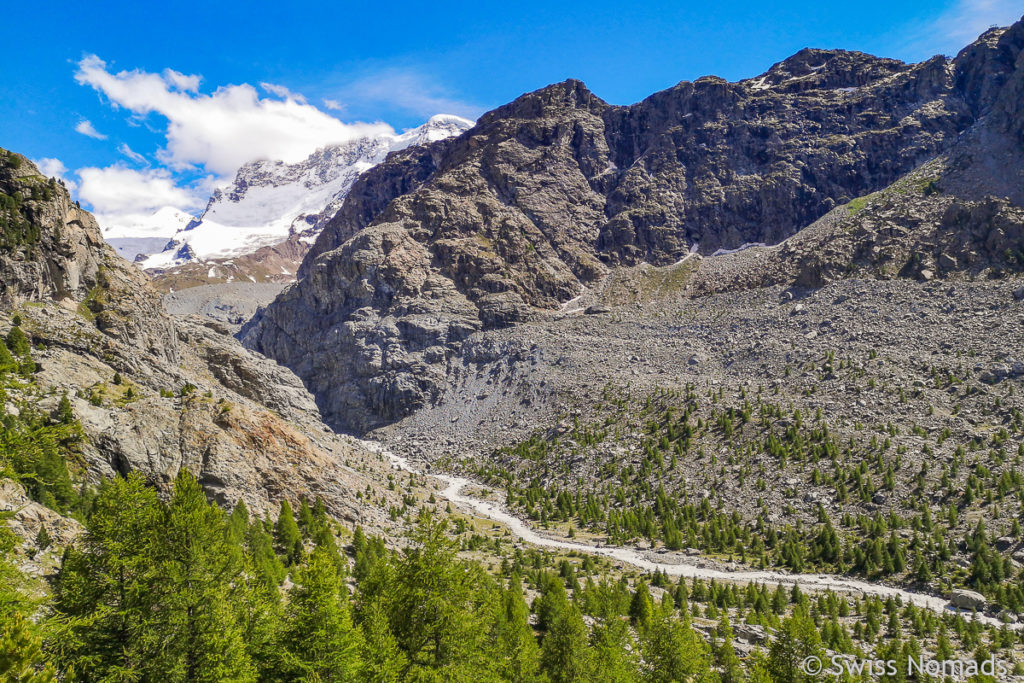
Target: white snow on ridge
268,201
135,234
759,84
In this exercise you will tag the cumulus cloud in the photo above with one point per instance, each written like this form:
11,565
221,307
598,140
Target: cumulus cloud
283,92
125,200
119,189
333,105
181,81
86,128
225,129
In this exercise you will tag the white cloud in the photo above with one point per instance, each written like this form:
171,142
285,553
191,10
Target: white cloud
283,92
124,149
960,25
55,168
181,81
225,129
119,189
133,203
409,90
85,127
333,105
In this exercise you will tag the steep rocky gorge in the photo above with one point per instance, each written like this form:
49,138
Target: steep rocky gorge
552,195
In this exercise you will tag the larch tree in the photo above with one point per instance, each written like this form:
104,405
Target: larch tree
287,538
197,631
320,641
103,594
516,651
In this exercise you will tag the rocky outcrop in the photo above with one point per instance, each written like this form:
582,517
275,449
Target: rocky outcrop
52,248
60,256
548,193
247,374
959,213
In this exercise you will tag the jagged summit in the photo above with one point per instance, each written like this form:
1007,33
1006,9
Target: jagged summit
812,68
571,93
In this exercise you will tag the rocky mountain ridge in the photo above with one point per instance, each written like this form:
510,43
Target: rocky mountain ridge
553,196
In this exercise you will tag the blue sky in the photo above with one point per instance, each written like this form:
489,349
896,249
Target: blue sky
122,97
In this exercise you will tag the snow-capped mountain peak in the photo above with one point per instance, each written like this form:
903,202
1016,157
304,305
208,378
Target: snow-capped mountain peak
268,201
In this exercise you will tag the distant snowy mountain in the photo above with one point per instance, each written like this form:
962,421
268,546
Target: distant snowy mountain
144,234
270,201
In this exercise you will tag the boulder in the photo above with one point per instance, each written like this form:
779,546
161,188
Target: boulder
750,633
1004,543
962,598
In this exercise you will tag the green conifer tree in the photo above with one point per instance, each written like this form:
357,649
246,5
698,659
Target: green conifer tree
516,652
7,361
725,655
796,639
104,591
65,413
383,660
564,653
434,605
641,608
305,519
320,641
196,631
287,538
673,651
17,342
21,656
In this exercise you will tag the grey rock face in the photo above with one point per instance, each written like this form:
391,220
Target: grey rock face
248,374
349,329
64,257
548,194
70,262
